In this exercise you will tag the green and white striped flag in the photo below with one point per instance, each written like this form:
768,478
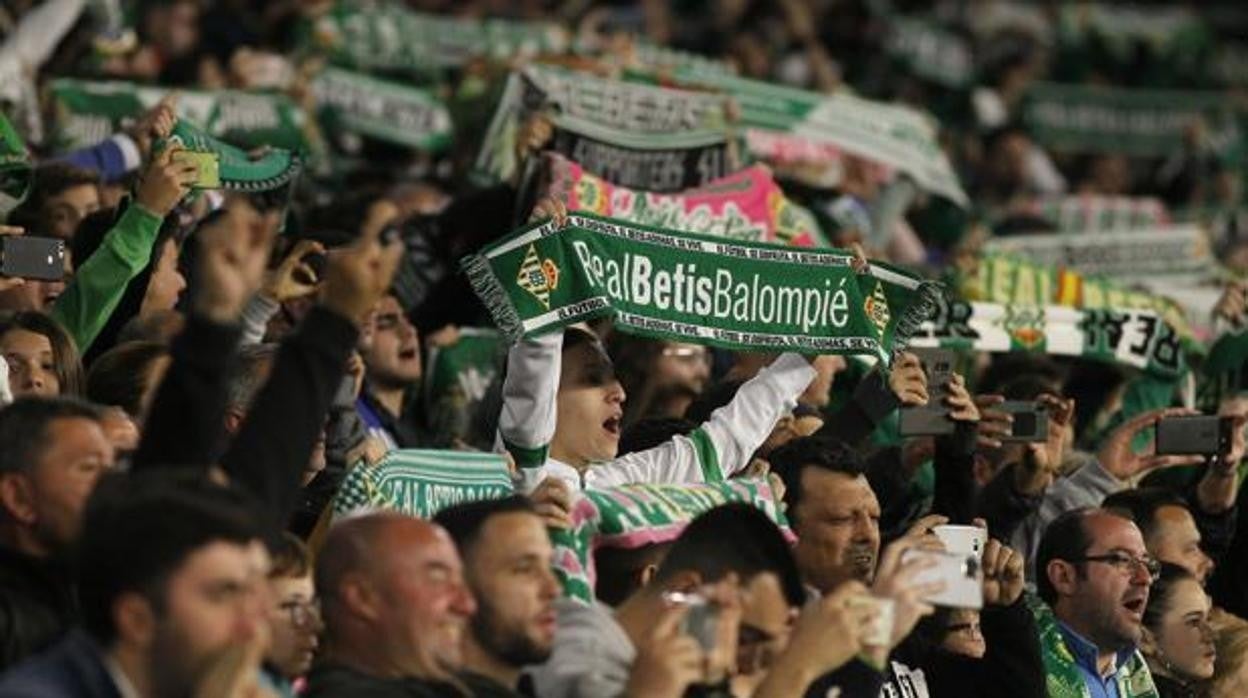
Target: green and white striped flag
388,111
421,482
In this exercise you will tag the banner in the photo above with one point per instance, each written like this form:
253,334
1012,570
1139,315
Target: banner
1180,252
1144,123
422,482
1079,213
1137,338
389,111
392,38
89,112
238,170
651,163
931,51
894,136
746,205
456,380
632,516
694,288
624,116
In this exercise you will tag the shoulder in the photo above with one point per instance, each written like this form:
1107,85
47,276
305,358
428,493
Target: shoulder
72,668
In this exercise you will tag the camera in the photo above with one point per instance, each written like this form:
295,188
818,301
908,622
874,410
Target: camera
1200,434
1031,421
701,621
931,419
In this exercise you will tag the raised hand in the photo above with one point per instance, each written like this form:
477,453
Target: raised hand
233,251
294,277
156,123
550,207
993,424
553,501
8,282
668,661
165,182
908,381
358,275
961,407
1117,456
1061,427
1003,574
898,581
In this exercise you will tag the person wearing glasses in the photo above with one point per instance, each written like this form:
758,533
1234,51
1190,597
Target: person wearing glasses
294,615
1178,638
1093,578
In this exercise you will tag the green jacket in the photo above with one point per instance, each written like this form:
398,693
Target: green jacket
99,282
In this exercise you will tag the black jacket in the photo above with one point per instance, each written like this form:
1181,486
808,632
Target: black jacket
333,680
37,605
73,668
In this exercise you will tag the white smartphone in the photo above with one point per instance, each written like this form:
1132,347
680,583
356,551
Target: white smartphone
961,573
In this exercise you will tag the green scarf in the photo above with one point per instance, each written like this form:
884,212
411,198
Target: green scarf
1063,678
1178,254
1137,338
686,287
632,516
389,111
88,112
15,168
239,172
1095,214
421,482
456,380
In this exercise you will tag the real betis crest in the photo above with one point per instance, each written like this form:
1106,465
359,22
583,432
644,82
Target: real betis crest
538,276
876,307
1025,327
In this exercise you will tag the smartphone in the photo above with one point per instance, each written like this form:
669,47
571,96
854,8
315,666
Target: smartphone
32,257
1031,421
961,573
344,395
880,632
701,621
933,418
1199,434
209,164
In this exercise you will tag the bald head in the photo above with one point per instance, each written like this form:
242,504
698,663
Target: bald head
393,595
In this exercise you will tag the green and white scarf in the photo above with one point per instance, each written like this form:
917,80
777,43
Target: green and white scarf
389,111
632,516
15,168
391,37
1062,676
894,136
1137,338
695,288
457,378
931,51
420,482
87,112
1179,254
624,116
1097,214
1144,123
239,171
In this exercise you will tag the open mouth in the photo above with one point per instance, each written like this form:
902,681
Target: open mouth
612,426
1135,606
408,354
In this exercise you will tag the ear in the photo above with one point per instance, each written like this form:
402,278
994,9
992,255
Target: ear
646,574
17,497
1148,642
135,620
1063,576
233,420
360,597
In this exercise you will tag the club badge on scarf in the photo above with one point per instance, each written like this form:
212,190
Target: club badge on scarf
746,205
695,288
632,516
422,482
1137,338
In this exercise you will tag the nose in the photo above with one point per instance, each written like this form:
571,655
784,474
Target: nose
179,281
616,396
550,585
463,603
1206,566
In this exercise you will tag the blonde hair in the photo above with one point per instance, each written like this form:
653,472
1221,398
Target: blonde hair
1232,646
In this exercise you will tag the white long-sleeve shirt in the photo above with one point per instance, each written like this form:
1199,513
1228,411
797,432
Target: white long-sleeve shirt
714,451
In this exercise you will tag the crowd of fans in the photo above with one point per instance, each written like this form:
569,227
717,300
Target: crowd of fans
186,407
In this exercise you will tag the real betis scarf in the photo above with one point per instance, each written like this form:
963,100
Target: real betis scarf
421,482
389,111
456,380
632,126
1144,123
239,172
1062,676
632,516
1090,213
1137,338
391,37
894,136
88,112
746,205
15,168
1013,281
695,288
1179,253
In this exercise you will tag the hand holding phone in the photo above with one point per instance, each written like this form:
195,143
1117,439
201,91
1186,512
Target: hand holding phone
961,574
208,173
1201,434
1031,421
933,418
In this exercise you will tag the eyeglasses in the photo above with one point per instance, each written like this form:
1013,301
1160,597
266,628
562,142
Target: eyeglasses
1126,563
302,613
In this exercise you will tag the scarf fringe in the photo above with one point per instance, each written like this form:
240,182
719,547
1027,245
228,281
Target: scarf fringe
491,292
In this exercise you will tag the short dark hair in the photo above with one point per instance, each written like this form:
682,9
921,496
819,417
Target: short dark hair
735,537
1065,538
24,427
51,179
464,522
1142,504
1161,592
67,364
118,377
825,453
139,528
651,432
618,570
290,557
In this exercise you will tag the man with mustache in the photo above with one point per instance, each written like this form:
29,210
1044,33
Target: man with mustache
1094,574
507,563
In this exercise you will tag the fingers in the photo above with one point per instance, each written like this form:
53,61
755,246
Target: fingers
924,526
668,624
991,557
12,230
